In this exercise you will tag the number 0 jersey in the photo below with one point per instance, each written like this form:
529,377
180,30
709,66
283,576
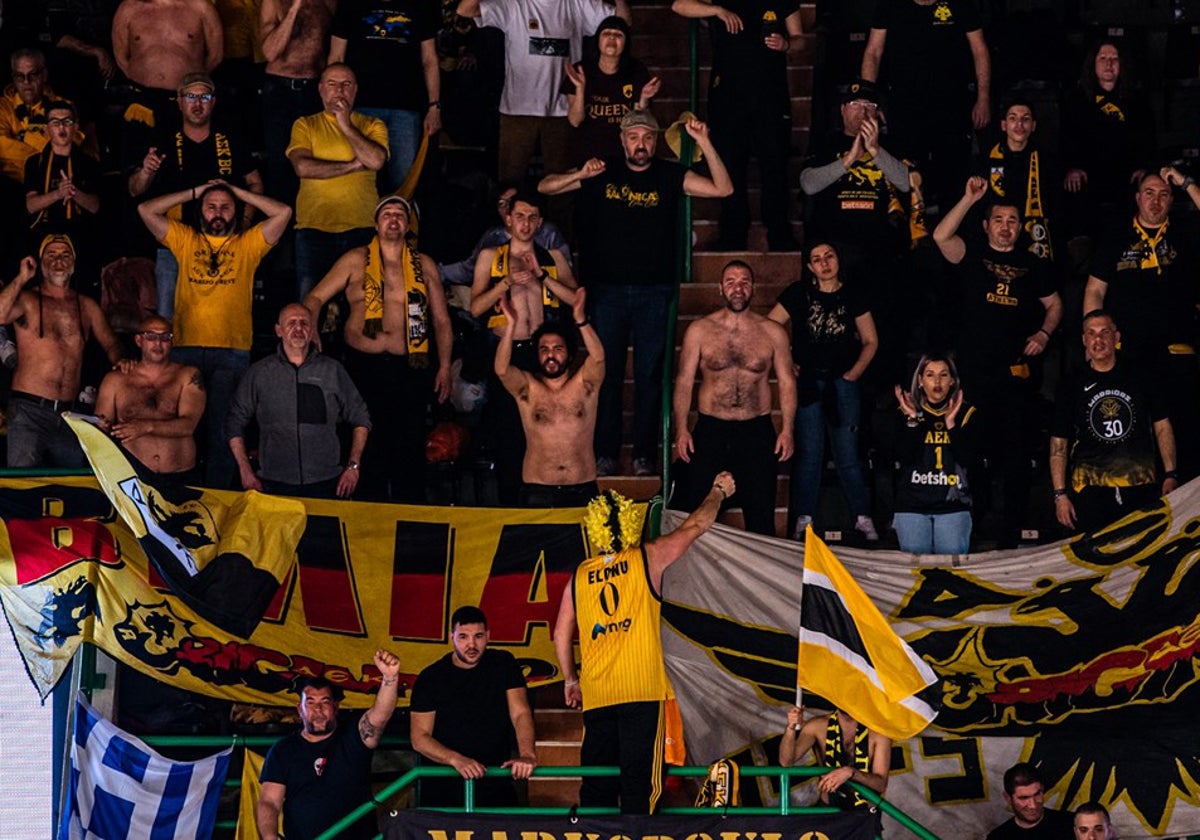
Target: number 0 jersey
617,612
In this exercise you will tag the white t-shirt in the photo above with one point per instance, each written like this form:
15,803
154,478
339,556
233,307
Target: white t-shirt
539,35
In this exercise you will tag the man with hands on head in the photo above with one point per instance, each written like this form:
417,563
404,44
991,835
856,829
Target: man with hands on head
839,741
466,711
321,773
614,602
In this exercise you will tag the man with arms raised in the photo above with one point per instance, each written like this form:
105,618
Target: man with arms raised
558,408
1031,819
735,351
398,322
323,772
466,709
154,408
614,600
158,42
53,323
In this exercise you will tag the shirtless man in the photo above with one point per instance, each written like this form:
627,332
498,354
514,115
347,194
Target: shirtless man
156,43
735,351
295,36
558,408
859,754
53,323
154,408
533,281
389,353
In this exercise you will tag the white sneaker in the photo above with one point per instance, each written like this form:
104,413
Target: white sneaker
866,527
802,522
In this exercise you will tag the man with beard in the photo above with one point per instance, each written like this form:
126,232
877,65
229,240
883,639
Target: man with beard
321,773
629,253
398,319
153,408
1144,273
194,152
735,350
1010,309
466,711
53,323
558,408
1031,819
297,397
214,293
534,282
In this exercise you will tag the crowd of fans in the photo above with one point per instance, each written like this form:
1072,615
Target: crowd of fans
232,157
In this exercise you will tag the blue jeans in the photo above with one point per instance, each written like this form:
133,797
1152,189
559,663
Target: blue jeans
317,251
934,533
617,312
222,369
811,423
166,274
404,136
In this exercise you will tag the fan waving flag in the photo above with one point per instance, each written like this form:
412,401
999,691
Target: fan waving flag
851,656
120,789
225,560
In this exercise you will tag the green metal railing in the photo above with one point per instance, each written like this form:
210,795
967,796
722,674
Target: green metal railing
784,774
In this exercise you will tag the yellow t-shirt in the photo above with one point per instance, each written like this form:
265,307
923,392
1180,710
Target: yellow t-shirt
618,616
215,289
348,201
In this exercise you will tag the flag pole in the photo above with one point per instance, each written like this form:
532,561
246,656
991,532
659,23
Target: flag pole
799,626
65,796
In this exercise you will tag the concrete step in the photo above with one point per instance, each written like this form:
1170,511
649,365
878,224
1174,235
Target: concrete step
706,231
770,269
700,298
558,724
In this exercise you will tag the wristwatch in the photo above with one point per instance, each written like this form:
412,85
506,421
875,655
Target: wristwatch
353,465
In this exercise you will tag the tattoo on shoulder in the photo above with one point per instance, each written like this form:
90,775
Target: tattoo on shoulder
197,380
367,730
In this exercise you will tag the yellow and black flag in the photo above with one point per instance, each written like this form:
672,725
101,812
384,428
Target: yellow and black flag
224,560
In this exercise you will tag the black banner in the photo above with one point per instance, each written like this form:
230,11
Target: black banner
433,825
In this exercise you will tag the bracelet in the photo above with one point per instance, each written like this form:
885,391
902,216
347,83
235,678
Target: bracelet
1060,493
353,465
1187,182
584,322
721,490
1171,474
437,103
542,277
570,683
392,681
1043,332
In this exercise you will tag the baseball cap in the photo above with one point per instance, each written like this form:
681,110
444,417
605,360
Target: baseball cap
862,89
638,118
56,237
196,79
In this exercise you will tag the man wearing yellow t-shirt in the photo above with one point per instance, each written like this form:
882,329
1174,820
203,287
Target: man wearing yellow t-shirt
336,154
615,602
213,294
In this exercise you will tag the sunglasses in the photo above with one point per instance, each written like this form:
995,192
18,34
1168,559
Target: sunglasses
31,76
198,97
63,123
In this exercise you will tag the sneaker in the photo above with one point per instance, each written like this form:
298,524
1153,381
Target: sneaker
641,466
802,522
605,466
866,527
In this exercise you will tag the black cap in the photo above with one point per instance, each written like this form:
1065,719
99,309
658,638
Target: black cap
862,89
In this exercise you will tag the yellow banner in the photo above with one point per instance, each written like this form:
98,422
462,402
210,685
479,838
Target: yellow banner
366,576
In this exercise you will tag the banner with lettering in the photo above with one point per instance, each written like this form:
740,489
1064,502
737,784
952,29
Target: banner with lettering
366,576
1080,657
432,825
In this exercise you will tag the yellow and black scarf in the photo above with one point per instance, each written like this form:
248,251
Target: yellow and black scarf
835,751
500,269
1109,107
1034,216
46,164
415,293
1149,245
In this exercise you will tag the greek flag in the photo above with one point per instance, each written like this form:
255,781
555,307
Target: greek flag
120,789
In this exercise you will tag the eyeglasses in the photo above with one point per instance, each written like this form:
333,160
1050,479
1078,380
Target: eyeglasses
198,97
63,123
863,105
158,336
31,76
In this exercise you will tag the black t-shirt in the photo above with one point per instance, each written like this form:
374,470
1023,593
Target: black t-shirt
741,58
1152,285
1055,825
926,52
1108,136
325,780
43,174
471,704
854,209
628,230
1109,419
605,100
223,154
1002,292
384,48
934,461
825,340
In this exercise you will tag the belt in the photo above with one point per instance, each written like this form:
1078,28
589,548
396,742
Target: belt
42,402
291,82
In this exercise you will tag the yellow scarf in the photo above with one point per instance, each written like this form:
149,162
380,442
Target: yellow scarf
46,161
415,294
1150,257
500,269
1035,223
1109,108
835,753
